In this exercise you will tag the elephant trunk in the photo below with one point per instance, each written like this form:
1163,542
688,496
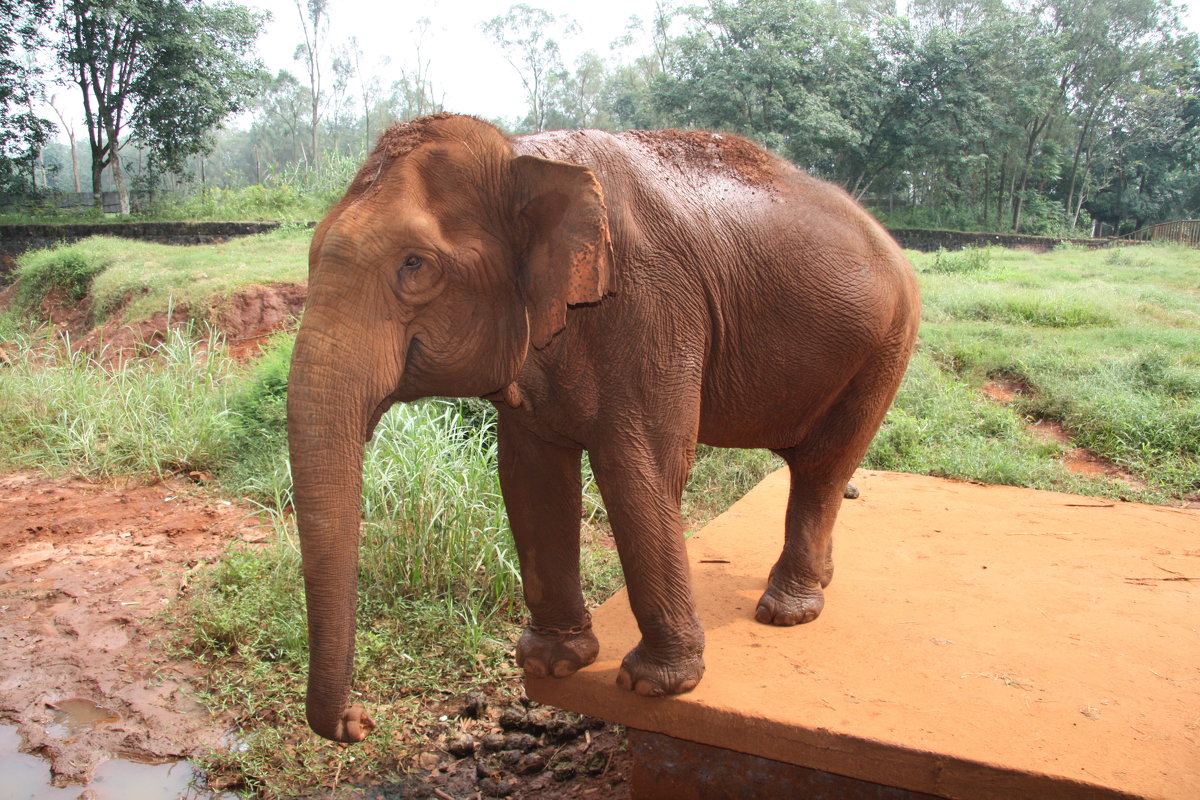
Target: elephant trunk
335,395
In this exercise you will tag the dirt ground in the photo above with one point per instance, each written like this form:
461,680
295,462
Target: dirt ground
86,572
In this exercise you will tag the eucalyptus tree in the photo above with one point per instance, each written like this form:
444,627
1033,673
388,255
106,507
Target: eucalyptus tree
22,131
527,37
314,21
1149,164
163,72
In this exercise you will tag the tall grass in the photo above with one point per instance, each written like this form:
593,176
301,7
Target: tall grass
62,410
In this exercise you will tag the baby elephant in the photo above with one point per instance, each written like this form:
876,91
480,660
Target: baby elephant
626,294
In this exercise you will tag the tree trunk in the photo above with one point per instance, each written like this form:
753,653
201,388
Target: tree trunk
1019,202
97,179
114,160
74,162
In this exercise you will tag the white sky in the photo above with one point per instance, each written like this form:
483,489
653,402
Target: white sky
467,69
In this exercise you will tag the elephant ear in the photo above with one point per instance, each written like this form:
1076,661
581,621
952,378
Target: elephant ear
568,255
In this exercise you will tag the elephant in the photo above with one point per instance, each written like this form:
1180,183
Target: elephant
628,294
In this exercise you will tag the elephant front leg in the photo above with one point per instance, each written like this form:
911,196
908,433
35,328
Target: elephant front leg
543,494
642,492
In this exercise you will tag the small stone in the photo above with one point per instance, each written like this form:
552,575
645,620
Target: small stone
512,718
851,492
461,746
493,742
475,706
530,763
497,787
428,761
520,741
564,771
509,757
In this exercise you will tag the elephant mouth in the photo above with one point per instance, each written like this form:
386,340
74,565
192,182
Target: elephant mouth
377,415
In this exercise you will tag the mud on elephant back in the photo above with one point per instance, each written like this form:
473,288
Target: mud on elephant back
627,294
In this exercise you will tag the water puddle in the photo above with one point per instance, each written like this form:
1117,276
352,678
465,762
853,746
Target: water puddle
27,777
73,717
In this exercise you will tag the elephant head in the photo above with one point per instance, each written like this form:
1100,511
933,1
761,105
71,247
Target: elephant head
446,259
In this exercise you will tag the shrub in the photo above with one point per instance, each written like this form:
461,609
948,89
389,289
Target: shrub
968,260
69,268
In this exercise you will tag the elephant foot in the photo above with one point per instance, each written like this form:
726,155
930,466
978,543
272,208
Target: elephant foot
652,678
794,608
545,652
354,726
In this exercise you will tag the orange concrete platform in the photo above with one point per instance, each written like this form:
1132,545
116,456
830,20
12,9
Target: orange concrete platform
977,642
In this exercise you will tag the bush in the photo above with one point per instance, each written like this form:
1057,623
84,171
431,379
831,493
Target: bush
966,261
68,268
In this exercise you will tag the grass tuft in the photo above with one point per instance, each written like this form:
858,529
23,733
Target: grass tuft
66,268
969,260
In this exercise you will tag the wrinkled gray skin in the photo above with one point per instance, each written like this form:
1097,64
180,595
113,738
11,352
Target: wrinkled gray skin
626,294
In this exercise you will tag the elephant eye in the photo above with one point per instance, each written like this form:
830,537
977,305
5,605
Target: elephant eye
413,262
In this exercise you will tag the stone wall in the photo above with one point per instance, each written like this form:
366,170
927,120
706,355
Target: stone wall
929,241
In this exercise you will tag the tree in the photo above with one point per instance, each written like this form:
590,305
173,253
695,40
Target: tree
524,36
311,51
786,72
68,127
280,124
163,72
22,132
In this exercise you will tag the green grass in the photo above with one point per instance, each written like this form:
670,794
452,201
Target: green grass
1106,342
65,411
139,279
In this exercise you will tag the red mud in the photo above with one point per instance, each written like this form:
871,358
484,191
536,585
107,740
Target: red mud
245,320
711,151
84,572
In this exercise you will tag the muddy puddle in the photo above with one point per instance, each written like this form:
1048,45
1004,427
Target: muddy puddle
27,777
86,571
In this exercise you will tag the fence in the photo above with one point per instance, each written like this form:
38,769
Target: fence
1182,231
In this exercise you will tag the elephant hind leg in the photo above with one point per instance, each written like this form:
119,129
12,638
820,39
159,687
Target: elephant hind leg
794,593
821,467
